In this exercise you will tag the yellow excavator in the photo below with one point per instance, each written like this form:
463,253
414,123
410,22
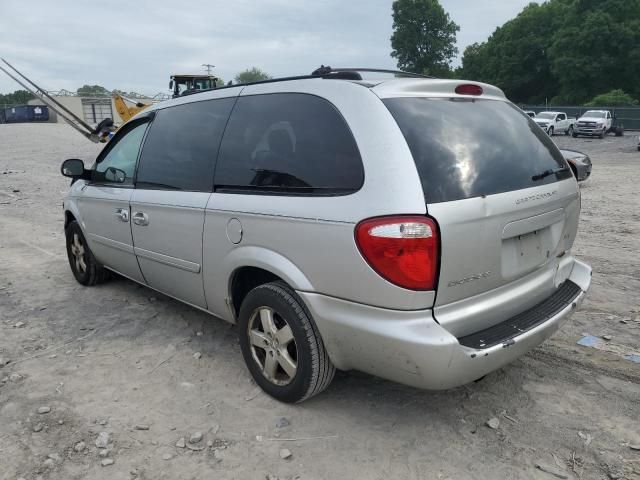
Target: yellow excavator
126,108
101,133
125,111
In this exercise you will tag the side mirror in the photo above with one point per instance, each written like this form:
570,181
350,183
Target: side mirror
115,175
73,168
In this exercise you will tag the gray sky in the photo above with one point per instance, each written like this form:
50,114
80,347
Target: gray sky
135,45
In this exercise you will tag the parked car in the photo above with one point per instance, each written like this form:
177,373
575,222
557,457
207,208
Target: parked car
555,122
579,162
594,123
341,224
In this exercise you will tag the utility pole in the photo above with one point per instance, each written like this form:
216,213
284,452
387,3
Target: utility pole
208,67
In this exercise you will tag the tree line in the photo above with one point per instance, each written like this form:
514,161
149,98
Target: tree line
560,51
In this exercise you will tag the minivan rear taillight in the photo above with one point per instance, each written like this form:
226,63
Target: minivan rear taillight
402,249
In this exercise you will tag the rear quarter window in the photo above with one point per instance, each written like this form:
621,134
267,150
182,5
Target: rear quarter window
288,144
466,148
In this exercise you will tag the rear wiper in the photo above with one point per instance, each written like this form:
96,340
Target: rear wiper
548,173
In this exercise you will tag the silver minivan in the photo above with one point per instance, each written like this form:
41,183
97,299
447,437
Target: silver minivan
352,220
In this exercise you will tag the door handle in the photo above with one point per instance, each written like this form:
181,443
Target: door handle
141,219
122,214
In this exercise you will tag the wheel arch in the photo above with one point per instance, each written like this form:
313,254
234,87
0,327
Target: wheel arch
72,213
68,218
251,266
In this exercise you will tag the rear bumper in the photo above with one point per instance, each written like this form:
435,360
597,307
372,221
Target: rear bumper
410,347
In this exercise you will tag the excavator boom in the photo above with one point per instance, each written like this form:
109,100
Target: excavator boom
95,135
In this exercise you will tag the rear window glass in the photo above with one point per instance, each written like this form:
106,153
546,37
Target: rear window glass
467,148
288,144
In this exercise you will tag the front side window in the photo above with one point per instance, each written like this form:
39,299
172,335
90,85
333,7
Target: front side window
119,164
181,147
289,144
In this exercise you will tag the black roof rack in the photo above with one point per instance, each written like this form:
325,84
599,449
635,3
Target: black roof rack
342,72
321,72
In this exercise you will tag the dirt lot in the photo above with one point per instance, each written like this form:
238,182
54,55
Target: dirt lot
119,358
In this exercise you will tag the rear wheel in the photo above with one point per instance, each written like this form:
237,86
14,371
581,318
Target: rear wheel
84,265
281,345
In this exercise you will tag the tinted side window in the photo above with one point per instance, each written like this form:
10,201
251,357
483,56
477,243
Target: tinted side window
181,147
122,155
288,143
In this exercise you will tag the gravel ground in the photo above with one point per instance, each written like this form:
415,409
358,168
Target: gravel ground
119,359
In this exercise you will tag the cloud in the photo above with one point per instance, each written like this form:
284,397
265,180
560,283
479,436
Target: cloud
136,45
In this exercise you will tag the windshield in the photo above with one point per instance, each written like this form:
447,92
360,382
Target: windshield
459,153
546,115
594,114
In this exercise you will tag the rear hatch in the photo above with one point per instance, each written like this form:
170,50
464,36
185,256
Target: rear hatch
505,200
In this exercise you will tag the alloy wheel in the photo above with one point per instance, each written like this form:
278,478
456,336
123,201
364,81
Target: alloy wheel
273,346
78,252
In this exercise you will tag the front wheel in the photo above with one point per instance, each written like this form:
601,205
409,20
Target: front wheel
603,133
569,131
84,266
550,131
281,345
574,135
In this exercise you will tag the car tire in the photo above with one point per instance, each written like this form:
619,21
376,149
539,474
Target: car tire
281,345
550,131
84,266
619,131
602,134
569,131
574,135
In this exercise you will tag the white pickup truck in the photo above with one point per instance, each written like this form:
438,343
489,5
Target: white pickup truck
594,123
555,122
